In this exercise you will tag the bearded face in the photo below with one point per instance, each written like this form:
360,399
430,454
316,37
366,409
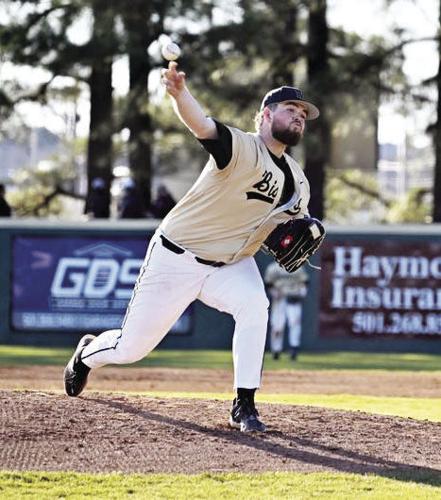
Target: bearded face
289,135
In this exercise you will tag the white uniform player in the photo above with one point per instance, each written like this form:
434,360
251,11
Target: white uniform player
287,291
204,248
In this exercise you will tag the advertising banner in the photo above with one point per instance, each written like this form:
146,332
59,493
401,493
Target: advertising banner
380,288
76,283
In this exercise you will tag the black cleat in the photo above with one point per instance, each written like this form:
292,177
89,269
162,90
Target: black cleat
244,417
76,372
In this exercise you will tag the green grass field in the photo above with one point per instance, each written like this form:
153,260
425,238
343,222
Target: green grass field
47,485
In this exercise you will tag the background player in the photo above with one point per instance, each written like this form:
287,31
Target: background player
204,248
287,291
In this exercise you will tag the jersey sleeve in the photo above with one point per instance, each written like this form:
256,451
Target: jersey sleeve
221,148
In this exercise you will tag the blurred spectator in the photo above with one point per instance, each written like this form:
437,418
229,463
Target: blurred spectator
5,209
130,205
163,203
98,200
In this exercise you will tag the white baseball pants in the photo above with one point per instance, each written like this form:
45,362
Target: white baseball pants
294,316
277,323
167,284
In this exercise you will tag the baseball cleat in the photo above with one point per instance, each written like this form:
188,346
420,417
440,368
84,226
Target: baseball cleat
244,416
76,372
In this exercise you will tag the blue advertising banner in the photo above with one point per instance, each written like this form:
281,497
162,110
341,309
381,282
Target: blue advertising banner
76,283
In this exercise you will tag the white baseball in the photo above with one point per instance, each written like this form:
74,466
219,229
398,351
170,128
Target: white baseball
170,51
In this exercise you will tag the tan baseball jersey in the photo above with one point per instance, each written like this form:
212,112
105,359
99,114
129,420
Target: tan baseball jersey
228,213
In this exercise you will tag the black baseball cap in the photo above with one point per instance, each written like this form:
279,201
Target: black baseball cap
286,93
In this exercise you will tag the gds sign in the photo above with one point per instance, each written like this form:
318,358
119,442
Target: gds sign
93,278
98,271
75,283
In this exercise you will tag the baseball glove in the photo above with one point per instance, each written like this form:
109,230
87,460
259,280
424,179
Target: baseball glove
294,242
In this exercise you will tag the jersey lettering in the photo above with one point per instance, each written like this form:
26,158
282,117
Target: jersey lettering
266,191
295,209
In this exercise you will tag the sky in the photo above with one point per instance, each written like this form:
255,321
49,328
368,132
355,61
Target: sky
366,17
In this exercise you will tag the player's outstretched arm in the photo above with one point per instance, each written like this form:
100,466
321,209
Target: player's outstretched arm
185,105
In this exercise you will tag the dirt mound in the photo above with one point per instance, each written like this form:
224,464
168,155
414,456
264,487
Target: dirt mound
103,432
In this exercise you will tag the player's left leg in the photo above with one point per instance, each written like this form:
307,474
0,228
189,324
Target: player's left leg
277,322
238,289
167,283
294,316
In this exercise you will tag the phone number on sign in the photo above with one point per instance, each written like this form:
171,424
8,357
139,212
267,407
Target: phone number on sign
396,323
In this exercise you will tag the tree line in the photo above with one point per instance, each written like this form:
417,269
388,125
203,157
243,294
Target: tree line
233,50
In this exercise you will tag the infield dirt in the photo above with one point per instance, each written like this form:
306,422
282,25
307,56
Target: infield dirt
102,432
372,383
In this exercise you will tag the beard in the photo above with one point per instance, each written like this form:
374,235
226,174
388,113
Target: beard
285,135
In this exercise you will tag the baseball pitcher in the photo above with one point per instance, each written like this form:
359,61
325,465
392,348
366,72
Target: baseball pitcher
204,247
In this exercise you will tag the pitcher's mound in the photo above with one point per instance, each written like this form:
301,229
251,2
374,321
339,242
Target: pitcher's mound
103,433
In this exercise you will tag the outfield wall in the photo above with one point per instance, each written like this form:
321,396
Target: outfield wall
378,290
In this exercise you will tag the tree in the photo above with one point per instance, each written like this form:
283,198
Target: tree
437,139
36,35
231,65
317,142
352,197
41,188
41,34
141,30
91,62
412,207
99,151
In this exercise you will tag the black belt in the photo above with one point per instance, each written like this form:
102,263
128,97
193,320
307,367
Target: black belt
169,245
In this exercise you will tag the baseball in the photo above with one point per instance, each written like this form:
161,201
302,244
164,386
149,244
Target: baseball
170,51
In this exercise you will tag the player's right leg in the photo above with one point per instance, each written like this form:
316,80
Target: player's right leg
166,285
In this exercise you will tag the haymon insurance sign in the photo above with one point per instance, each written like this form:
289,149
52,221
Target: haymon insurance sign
380,288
